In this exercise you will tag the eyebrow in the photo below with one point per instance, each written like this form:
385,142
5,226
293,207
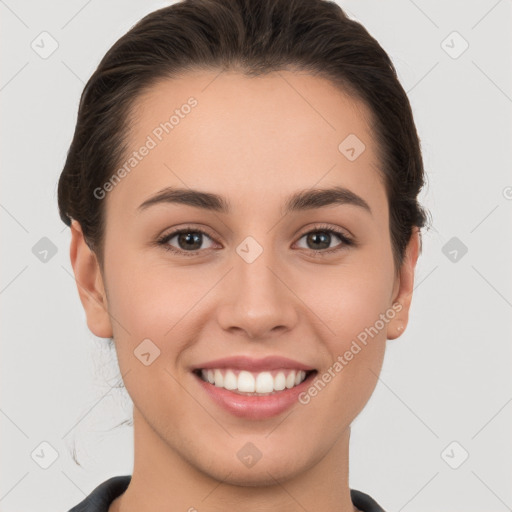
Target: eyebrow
307,199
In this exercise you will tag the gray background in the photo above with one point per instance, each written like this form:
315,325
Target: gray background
445,389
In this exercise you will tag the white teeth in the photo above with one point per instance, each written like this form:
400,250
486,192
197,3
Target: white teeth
279,381
245,382
230,380
264,383
248,382
290,380
219,379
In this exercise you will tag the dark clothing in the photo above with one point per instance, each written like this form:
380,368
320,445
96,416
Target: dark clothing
102,496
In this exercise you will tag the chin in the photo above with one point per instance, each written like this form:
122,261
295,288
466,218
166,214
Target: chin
257,478
261,474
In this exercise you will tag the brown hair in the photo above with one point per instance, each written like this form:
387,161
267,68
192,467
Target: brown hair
253,37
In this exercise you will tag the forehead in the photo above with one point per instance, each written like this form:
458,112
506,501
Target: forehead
251,139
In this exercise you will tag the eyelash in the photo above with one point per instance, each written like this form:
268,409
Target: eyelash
346,241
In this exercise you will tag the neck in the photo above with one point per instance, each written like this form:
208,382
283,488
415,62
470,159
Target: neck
163,480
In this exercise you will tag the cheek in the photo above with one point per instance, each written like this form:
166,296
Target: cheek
148,298
154,303
348,298
354,339
352,302
147,309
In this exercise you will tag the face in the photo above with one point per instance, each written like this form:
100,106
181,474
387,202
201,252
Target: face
253,274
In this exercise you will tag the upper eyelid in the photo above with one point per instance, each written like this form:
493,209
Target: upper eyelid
174,232
321,227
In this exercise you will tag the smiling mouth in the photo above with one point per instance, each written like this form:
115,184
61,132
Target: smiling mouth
251,383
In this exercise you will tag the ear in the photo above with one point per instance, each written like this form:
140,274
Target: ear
89,282
404,285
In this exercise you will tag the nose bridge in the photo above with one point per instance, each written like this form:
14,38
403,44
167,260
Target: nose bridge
259,300
255,270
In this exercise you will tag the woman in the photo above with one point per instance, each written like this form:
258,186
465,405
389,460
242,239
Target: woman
242,195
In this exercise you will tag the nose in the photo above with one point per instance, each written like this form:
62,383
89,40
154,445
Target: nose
258,300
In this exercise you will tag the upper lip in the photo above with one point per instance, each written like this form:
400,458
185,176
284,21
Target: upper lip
251,364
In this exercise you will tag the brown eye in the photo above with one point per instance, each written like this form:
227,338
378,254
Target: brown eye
188,240
319,240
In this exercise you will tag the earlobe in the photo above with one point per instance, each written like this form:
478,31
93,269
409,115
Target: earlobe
403,296
89,283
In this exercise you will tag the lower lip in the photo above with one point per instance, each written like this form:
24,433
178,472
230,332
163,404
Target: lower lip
255,407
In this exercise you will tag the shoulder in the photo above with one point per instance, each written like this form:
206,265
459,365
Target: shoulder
103,495
364,502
